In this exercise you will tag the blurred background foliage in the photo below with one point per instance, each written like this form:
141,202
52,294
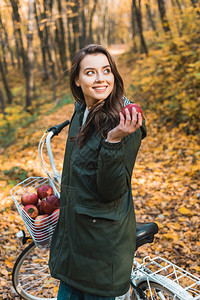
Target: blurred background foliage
39,38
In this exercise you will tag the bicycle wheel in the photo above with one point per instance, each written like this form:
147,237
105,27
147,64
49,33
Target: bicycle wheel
156,291
31,277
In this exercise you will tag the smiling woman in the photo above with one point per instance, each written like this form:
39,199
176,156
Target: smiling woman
95,79
93,244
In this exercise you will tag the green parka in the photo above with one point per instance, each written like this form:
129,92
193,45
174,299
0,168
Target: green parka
93,244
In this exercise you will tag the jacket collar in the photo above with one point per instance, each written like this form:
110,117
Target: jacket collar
80,108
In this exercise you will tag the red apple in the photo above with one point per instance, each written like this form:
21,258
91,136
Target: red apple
49,204
39,207
130,106
42,237
27,199
31,210
55,216
44,191
41,221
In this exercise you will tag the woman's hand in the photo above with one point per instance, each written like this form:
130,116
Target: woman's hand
127,125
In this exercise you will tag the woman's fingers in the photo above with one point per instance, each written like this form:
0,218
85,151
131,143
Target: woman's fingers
140,120
127,125
128,116
134,117
132,121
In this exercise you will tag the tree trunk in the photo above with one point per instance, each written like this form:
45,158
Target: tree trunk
105,24
2,26
90,37
3,44
3,105
134,28
138,14
179,6
76,27
16,44
162,11
176,21
69,38
30,57
83,35
48,49
42,44
17,21
60,33
5,83
150,17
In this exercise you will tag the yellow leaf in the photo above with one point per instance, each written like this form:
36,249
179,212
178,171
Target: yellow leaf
176,226
185,211
173,236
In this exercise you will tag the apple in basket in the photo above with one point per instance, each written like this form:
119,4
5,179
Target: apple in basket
49,204
130,106
27,199
31,210
42,238
44,191
55,216
41,234
41,221
39,207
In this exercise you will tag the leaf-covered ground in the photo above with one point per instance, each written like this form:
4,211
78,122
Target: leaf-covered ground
165,188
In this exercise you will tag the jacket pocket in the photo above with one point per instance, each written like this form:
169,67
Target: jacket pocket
95,232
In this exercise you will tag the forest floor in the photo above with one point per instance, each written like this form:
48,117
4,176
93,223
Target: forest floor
165,186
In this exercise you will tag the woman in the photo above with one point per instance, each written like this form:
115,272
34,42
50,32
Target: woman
93,245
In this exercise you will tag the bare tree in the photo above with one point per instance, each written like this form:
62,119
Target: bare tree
91,34
3,44
6,41
48,47
40,30
30,56
2,99
60,37
164,20
16,44
75,27
17,22
136,12
150,17
83,23
5,83
134,27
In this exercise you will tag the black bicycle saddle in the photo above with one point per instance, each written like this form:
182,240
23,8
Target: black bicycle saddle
145,233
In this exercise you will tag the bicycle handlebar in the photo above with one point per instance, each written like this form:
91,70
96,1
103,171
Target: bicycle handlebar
46,138
56,129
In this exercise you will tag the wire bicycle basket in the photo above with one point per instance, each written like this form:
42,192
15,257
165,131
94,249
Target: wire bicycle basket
42,234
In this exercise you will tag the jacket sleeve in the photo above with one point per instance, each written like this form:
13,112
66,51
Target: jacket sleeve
115,165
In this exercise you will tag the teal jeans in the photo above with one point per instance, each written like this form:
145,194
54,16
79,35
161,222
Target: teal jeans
67,292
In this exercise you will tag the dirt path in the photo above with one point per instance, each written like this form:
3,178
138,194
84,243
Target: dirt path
116,50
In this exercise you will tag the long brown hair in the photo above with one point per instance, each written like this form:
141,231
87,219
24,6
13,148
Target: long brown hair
103,116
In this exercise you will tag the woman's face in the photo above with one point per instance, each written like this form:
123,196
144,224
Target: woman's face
95,78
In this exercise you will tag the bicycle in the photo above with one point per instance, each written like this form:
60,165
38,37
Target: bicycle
152,279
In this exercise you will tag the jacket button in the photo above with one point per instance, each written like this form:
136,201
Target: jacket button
94,220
